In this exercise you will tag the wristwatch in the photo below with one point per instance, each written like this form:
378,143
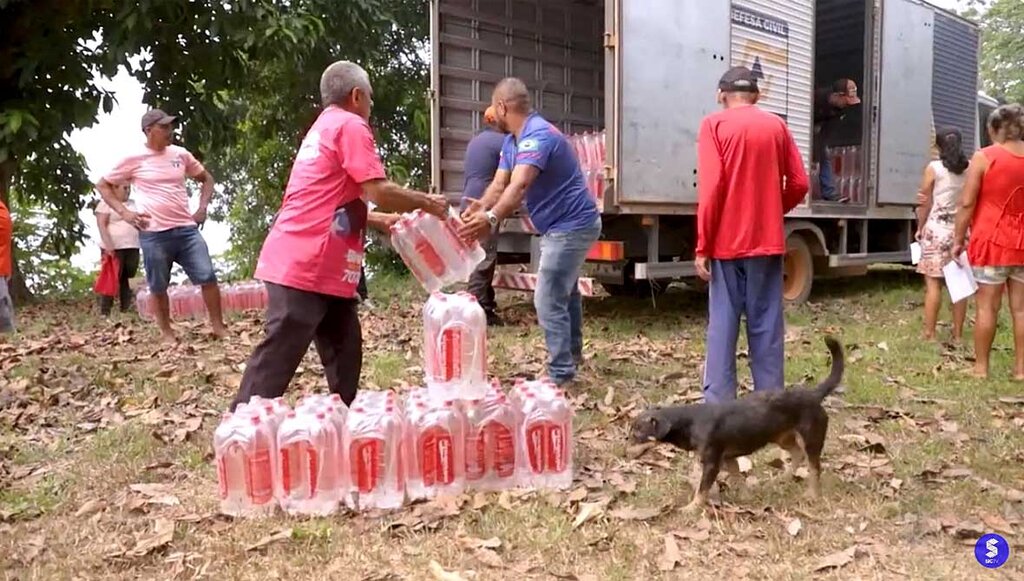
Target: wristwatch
492,219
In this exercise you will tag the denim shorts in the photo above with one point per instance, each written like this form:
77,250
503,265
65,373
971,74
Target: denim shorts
997,275
183,245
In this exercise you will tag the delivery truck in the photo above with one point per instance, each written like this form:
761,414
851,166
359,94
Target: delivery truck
629,82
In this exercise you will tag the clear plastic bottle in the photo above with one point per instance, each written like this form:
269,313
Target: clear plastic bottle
546,439
144,304
373,442
415,488
490,443
439,440
418,254
455,346
242,449
308,475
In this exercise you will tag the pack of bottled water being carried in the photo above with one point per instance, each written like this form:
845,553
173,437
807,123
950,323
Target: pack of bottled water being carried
383,452
433,250
455,347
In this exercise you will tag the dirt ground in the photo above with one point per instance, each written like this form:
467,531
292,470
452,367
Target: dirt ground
106,472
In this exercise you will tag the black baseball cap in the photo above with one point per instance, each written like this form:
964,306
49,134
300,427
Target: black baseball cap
738,80
154,116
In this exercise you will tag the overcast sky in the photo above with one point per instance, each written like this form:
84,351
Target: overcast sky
116,133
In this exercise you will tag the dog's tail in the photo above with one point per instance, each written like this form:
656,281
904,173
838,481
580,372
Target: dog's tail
831,382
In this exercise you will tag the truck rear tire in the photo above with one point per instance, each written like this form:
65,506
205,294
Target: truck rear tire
797,269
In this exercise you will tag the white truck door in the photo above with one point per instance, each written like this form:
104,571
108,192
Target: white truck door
905,106
672,53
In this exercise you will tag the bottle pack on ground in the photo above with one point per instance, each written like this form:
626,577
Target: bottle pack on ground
373,443
384,451
455,346
243,451
545,436
434,446
186,301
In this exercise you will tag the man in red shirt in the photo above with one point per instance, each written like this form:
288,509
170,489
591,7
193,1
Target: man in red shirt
750,173
312,258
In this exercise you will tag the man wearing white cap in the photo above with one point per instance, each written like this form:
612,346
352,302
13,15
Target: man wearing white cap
168,231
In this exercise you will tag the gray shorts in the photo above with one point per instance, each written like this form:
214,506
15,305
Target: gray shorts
6,308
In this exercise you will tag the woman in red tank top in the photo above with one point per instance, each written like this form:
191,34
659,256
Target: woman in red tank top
993,206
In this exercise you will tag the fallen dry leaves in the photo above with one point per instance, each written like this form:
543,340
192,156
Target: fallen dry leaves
440,574
838,559
276,537
670,557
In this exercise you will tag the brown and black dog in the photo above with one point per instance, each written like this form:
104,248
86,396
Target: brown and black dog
794,419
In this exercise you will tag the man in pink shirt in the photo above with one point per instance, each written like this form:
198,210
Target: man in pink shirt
168,231
312,257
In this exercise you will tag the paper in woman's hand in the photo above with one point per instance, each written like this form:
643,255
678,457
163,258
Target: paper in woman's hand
915,252
959,278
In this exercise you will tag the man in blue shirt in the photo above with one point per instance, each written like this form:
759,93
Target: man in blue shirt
479,166
539,164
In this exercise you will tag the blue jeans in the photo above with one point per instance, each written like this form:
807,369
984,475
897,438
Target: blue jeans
827,179
557,298
183,245
750,287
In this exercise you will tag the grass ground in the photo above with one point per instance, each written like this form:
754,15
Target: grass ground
105,458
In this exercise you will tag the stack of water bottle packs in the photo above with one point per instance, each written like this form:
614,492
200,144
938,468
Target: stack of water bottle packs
385,451
186,301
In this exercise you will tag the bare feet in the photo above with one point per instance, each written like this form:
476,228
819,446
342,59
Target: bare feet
928,335
220,332
980,372
168,336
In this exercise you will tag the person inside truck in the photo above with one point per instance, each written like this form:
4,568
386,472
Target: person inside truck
938,200
480,165
539,164
992,208
750,173
830,104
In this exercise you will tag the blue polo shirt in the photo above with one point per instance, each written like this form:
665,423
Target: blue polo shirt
481,163
558,200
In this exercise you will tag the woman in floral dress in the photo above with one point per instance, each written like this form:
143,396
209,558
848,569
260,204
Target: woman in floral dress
938,200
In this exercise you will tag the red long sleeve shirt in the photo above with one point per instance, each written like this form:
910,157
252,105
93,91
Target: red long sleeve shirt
749,173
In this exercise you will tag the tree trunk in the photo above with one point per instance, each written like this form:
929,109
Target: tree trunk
19,290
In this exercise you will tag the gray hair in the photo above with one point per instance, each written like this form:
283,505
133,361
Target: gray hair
338,81
515,94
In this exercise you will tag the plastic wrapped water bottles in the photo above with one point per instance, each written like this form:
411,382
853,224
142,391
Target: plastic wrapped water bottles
243,450
307,443
373,443
545,436
490,443
455,347
434,449
433,250
186,301
384,451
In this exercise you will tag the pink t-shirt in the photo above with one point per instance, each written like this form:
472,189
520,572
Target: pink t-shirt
159,184
316,241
